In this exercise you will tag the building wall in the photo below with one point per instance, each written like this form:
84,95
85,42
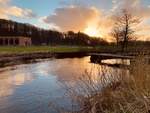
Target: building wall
23,41
15,41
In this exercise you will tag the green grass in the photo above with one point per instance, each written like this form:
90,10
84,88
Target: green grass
32,49
64,49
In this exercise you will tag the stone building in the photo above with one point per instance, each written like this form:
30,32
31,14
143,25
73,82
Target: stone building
15,41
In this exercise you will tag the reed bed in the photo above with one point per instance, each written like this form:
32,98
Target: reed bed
125,92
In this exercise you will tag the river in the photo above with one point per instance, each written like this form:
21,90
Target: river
30,88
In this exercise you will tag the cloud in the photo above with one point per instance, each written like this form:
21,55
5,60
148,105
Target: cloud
134,6
19,12
84,18
6,10
74,18
137,9
4,2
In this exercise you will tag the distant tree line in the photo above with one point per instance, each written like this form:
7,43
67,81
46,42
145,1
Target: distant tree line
41,36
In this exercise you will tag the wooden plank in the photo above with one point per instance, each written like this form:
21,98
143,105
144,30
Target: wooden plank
111,56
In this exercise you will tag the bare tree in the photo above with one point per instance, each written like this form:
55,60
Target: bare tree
124,28
116,34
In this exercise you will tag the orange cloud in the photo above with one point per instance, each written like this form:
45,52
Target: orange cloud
72,18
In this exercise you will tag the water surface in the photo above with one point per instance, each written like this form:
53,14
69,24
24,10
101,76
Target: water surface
30,88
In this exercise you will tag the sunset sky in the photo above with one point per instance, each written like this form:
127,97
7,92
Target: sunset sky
89,16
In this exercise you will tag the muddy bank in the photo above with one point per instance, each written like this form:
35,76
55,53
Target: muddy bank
14,59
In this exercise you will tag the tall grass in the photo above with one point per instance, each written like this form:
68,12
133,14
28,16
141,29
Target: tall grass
115,93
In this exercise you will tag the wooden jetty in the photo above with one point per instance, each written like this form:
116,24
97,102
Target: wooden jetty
98,57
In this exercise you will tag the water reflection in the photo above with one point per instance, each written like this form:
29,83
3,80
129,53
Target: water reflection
11,79
30,88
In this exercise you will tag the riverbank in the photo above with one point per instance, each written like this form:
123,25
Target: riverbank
14,59
11,55
36,49
7,50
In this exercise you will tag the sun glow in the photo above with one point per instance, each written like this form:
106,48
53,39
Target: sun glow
92,31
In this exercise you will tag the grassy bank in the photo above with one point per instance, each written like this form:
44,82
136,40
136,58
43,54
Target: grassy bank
32,49
66,49
10,55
